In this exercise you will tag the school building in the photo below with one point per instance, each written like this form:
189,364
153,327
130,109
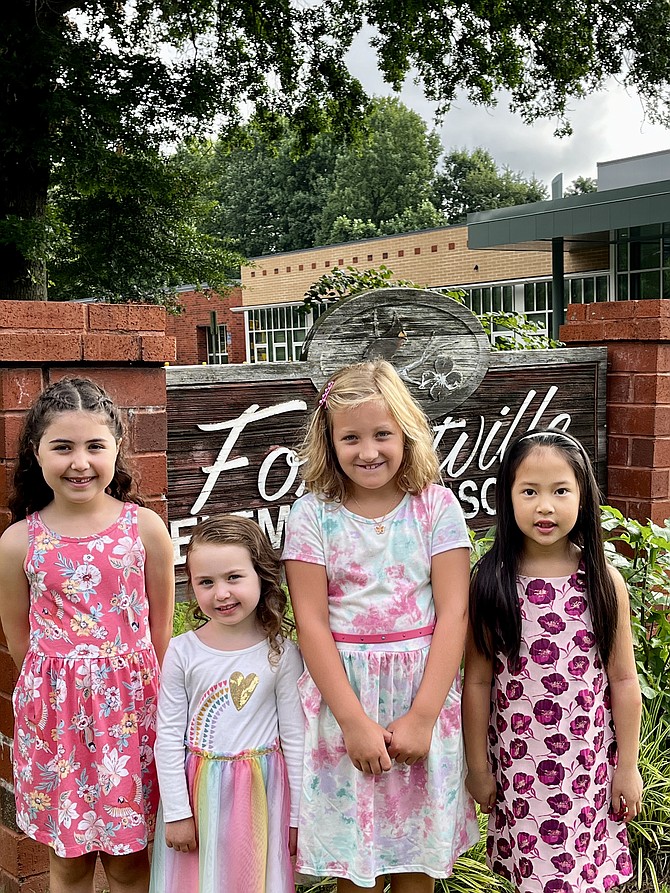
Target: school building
610,245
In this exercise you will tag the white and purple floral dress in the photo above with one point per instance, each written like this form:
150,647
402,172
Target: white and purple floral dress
411,819
86,698
553,751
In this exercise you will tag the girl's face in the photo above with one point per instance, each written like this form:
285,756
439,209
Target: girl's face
225,584
545,498
77,454
369,445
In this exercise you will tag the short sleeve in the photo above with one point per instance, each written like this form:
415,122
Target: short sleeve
304,538
449,528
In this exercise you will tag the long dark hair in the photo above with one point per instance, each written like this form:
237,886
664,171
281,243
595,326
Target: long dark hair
30,492
495,615
234,530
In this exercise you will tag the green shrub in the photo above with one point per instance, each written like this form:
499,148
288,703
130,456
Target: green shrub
641,552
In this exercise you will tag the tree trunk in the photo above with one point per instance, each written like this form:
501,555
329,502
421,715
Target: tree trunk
29,39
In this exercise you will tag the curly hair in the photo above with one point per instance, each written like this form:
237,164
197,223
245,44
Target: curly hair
348,389
30,492
234,530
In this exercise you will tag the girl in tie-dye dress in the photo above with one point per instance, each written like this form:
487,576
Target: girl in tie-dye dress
230,726
377,561
551,701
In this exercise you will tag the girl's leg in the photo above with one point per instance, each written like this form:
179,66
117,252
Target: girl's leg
345,886
71,875
413,882
127,874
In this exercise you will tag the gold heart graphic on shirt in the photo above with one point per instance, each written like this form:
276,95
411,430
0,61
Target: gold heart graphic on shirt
242,688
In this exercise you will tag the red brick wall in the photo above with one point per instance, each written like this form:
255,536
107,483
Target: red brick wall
124,348
637,335
189,327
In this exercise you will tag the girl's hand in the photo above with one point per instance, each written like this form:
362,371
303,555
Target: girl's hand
626,793
292,842
367,746
482,787
411,739
180,835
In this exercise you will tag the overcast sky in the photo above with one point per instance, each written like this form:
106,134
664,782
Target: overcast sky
607,125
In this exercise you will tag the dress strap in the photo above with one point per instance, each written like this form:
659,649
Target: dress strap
386,637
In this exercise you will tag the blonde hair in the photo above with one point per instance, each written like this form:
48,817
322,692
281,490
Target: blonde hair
349,388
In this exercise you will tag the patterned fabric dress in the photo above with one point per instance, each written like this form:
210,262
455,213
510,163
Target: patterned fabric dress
86,698
553,752
414,818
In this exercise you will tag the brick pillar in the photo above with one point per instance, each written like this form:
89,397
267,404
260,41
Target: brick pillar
124,348
637,335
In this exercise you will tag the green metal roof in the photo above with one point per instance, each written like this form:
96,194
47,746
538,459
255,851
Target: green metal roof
577,218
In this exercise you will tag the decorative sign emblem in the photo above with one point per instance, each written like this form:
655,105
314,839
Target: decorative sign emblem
438,346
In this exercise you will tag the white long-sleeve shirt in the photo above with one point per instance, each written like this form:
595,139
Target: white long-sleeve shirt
225,702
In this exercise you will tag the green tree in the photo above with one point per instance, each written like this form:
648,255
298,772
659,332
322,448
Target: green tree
385,173
268,195
131,231
81,78
471,181
582,185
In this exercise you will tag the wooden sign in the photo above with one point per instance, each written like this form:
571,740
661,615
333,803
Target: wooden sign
233,430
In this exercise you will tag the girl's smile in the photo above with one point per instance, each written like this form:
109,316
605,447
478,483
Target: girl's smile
226,586
369,445
77,455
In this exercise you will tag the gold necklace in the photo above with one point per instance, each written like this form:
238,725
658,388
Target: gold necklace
380,527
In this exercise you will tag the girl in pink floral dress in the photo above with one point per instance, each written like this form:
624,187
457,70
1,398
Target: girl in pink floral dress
377,561
551,701
86,598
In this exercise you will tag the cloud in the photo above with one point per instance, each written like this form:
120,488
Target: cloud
606,125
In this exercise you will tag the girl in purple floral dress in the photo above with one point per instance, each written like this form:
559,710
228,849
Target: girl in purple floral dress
551,702
86,598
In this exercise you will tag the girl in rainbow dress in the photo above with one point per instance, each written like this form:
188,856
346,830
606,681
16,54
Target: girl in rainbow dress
230,726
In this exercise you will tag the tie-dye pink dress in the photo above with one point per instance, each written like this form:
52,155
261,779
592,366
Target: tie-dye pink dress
553,751
86,698
413,818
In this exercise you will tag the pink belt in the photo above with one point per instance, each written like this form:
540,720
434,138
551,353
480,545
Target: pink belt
386,637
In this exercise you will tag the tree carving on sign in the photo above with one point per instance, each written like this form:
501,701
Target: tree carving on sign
437,345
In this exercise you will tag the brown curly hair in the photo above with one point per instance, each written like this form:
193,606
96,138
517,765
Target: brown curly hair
271,610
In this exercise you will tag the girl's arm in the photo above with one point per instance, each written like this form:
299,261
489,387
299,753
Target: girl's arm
480,780
364,739
159,578
412,733
14,591
291,729
170,755
626,710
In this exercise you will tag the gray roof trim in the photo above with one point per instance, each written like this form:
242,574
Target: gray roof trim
575,215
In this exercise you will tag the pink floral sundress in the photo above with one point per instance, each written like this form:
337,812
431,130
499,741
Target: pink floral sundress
85,701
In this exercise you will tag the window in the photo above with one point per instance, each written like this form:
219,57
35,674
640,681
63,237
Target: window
642,262
533,298
276,334
217,346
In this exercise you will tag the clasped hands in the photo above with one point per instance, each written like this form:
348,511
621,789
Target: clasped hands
373,748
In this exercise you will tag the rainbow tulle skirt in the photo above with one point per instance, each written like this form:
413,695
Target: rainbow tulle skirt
241,808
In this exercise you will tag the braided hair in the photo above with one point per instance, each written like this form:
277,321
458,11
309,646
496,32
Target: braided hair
30,491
